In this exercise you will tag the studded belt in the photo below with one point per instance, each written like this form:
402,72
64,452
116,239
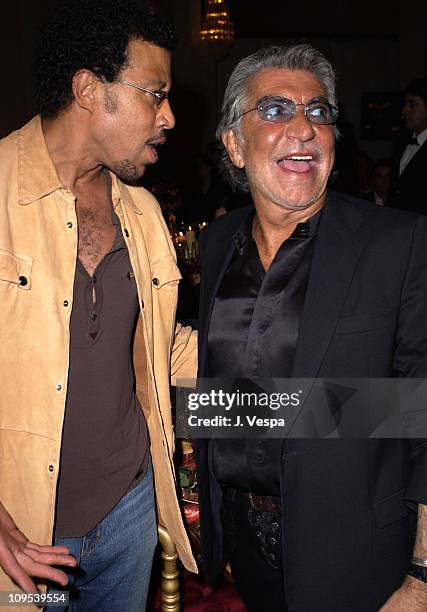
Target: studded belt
264,515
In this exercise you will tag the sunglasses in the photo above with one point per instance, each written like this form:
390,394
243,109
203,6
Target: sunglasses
275,109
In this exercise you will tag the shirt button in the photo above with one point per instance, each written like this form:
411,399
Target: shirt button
66,303
155,281
51,468
126,233
94,280
58,387
69,224
23,280
94,316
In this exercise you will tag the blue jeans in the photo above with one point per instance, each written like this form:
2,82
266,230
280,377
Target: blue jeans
115,558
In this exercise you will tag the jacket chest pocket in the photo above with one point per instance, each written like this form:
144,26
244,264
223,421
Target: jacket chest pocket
15,269
366,323
165,277
165,273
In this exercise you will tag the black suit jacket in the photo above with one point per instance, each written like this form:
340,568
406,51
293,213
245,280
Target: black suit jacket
347,526
409,190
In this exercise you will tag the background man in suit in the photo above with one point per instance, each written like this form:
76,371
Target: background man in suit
380,192
409,181
308,283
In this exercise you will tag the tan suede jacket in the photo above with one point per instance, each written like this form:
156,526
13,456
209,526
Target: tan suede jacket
38,251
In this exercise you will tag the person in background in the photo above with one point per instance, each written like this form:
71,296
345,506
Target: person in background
380,193
409,187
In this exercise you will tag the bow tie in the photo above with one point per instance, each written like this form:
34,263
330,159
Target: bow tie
413,141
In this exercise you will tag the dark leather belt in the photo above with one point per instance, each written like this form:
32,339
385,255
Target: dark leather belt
264,503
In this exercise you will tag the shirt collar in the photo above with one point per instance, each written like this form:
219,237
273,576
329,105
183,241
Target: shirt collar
421,137
304,230
37,175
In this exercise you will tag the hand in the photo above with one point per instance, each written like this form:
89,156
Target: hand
21,559
412,596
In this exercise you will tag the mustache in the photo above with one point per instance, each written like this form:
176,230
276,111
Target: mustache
157,140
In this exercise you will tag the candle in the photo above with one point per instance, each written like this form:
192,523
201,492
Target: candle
190,236
182,245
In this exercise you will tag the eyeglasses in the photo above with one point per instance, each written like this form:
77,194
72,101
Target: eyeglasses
276,109
159,96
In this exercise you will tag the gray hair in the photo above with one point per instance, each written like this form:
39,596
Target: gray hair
294,57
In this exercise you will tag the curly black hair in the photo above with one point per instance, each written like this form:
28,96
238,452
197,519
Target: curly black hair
91,34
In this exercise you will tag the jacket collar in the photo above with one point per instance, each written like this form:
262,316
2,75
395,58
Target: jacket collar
120,192
37,175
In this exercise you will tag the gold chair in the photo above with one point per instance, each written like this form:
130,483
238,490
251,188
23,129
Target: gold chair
170,574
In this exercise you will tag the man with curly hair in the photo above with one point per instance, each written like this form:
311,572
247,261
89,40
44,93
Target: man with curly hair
88,342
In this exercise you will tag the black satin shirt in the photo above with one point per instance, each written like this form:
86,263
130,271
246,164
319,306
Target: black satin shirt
253,333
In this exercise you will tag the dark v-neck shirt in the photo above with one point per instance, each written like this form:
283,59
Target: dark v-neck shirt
253,334
105,439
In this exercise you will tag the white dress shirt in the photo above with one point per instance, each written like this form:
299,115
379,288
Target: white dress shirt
378,199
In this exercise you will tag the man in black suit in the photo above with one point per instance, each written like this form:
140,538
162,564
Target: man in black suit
309,283
409,190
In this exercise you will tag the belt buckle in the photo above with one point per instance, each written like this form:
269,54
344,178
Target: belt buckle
265,503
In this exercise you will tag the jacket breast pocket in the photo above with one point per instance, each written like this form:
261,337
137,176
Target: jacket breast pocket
365,323
15,269
165,273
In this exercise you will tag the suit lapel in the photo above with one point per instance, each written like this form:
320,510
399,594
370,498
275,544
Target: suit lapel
418,159
337,250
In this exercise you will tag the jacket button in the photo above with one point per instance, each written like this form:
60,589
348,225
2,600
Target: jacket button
66,303
126,233
51,468
69,224
23,280
155,281
58,387
142,303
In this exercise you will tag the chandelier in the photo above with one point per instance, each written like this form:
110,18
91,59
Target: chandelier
217,25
